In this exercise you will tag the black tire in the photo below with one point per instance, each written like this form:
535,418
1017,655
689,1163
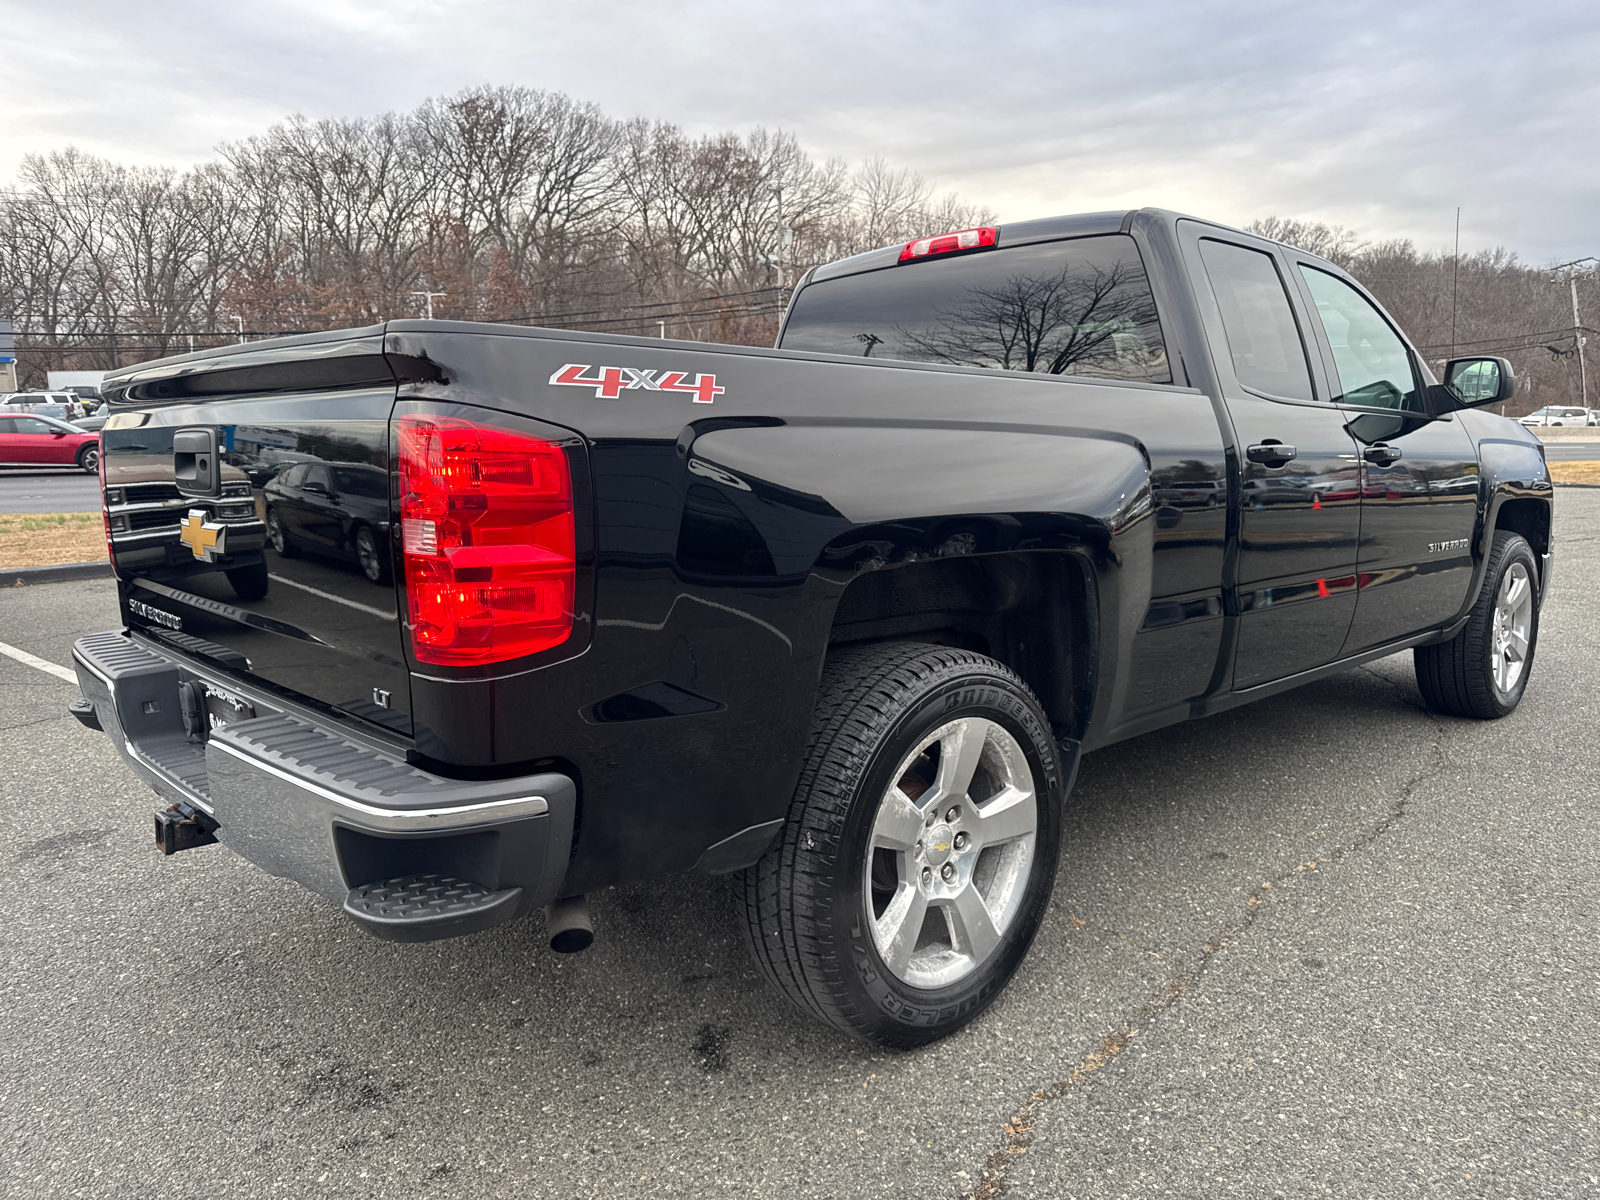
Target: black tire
1458,677
279,536
370,555
89,458
808,900
249,583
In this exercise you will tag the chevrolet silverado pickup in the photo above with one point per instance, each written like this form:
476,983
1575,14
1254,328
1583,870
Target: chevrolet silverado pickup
456,622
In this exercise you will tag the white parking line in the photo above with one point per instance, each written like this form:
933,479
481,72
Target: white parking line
304,587
29,660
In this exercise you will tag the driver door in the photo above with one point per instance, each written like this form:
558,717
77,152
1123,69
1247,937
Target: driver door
1419,470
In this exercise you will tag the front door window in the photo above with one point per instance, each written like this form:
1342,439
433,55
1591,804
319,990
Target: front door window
1374,368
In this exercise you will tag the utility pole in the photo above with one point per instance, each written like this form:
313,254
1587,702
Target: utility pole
1455,283
1577,324
429,297
1577,332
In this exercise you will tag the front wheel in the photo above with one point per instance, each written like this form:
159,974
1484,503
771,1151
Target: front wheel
1483,670
89,459
919,850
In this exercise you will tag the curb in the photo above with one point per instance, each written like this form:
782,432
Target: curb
58,573
1559,483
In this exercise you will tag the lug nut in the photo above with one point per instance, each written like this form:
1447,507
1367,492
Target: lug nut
932,817
949,872
919,849
961,842
953,813
927,875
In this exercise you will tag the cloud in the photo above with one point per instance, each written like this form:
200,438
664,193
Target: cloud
1377,116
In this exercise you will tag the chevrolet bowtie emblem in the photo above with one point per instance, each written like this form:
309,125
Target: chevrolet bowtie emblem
207,541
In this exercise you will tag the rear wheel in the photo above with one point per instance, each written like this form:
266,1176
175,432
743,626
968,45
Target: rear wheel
1483,670
373,563
920,847
89,459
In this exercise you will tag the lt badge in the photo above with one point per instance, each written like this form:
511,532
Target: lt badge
206,540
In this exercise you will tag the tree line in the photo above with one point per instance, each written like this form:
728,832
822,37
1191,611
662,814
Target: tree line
508,203
520,205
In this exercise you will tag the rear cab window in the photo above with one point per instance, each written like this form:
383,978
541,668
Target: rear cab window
1080,306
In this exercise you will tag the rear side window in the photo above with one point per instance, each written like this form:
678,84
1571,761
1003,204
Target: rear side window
1263,339
1076,307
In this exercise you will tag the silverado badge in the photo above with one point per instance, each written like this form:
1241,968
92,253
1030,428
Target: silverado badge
206,540
610,382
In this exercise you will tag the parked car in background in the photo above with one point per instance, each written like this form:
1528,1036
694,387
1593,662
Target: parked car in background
31,440
95,420
27,401
1560,414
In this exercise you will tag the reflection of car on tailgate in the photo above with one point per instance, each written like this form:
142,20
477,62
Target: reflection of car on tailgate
338,509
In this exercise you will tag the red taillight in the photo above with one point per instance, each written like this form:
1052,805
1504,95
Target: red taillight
963,239
486,533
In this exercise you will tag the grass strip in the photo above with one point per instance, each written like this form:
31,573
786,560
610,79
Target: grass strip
45,539
1575,472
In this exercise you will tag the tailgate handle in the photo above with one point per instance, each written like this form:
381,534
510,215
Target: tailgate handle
195,468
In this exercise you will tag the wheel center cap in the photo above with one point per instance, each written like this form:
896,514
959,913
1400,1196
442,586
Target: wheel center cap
940,841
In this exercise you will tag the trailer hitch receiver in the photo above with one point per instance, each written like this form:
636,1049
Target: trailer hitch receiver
183,827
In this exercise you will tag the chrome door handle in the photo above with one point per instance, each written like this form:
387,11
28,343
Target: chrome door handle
1270,453
1381,454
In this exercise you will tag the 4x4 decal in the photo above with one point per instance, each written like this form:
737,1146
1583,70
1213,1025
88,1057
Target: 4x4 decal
610,382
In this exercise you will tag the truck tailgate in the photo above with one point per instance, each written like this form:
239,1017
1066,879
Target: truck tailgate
250,508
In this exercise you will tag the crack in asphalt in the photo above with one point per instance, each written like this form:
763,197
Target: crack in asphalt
37,721
1017,1131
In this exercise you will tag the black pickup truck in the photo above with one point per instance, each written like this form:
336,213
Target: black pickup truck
452,622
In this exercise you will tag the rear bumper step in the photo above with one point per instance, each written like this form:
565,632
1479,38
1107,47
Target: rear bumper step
418,908
339,815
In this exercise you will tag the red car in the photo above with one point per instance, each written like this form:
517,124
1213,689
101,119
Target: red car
27,440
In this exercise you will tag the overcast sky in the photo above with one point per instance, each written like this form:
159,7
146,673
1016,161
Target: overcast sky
1379,116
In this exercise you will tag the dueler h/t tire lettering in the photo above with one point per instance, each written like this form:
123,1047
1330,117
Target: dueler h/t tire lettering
920,847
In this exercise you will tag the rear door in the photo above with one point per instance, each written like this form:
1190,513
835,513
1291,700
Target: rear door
1299,506
198,566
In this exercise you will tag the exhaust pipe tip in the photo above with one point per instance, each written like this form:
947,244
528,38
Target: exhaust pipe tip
568,925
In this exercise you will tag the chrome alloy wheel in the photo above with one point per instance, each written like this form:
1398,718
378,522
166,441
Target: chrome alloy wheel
1513,624
950,854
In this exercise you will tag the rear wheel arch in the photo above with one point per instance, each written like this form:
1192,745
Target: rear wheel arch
1032,611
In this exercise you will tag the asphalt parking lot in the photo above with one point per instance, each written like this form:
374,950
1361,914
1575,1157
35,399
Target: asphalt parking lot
1327,945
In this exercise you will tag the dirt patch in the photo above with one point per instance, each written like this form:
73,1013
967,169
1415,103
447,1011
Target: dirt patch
1575,472
44,539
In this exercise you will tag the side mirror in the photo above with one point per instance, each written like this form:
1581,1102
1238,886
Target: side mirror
1477,381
